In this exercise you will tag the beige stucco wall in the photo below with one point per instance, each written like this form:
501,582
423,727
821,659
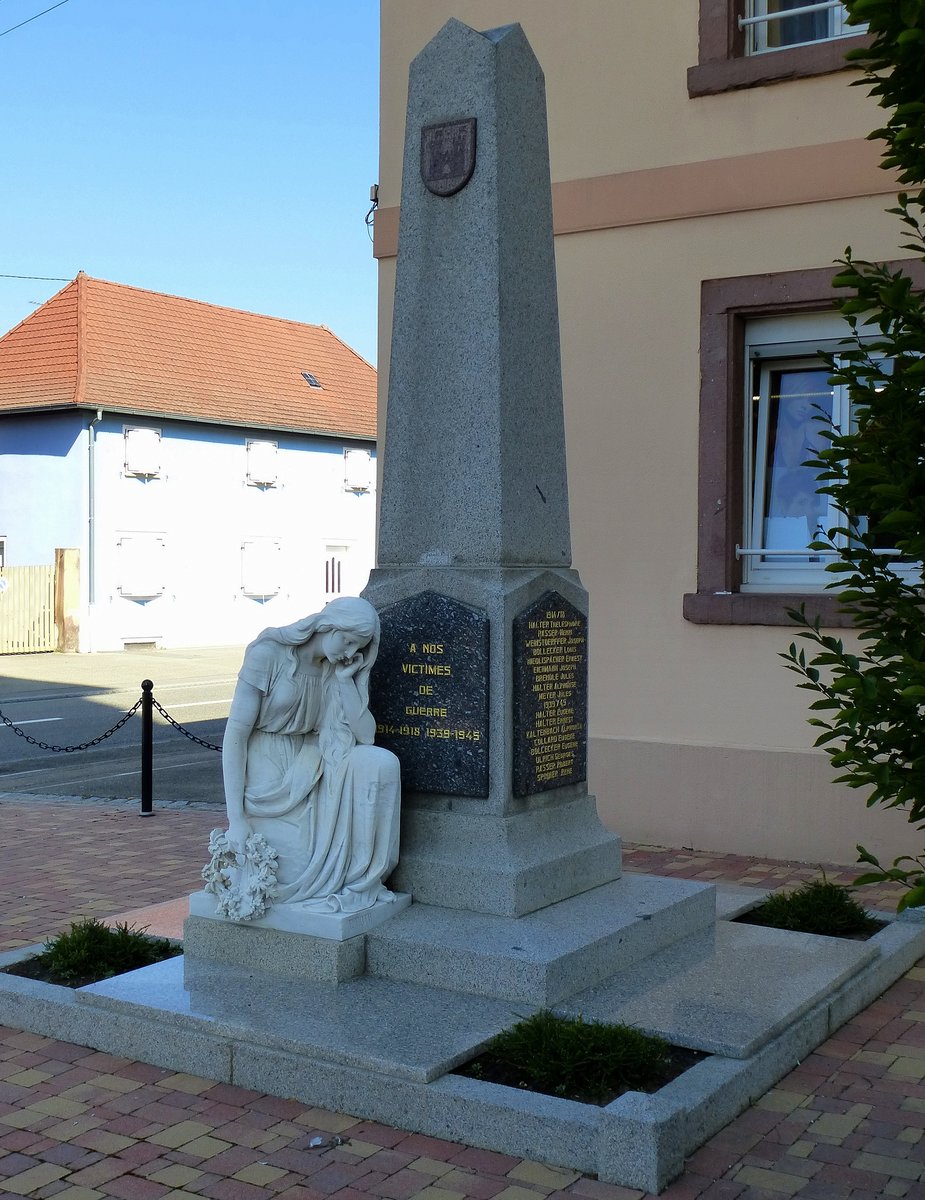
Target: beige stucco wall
616,83
699,735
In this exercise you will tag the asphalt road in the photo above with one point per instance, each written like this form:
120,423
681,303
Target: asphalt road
68,699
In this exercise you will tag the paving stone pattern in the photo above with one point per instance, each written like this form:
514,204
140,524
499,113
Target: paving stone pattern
846,1124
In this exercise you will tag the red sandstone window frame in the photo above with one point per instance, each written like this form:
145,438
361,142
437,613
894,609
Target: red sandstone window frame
727,305
724,66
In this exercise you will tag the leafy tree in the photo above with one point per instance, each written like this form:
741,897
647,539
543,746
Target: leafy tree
870,710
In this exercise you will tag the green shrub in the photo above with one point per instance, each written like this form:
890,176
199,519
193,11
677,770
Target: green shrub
815,907
871,692
90,950
573,1058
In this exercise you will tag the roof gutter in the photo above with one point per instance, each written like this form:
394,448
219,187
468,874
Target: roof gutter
189,419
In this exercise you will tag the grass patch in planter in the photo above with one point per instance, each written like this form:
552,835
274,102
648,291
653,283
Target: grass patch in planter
90,951
578,1060
817,906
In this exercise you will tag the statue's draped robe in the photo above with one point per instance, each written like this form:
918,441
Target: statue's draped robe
334,823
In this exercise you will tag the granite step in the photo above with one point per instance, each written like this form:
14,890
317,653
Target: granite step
546,956
728,990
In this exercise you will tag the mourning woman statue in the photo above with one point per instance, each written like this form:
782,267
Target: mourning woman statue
313,805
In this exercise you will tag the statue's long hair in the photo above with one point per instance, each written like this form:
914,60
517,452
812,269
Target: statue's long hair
348,614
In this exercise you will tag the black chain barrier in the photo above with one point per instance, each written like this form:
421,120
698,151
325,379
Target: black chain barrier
147,704
180,729
70,749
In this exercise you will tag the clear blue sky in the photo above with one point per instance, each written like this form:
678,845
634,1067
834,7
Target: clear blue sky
216,149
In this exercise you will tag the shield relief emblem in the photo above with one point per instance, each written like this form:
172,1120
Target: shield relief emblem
448,155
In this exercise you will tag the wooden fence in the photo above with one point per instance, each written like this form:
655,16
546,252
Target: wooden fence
27,610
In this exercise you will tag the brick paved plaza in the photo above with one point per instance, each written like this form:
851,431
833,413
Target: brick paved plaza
847,1124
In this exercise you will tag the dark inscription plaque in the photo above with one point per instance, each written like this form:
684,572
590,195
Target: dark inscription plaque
429,694
448,156
550,695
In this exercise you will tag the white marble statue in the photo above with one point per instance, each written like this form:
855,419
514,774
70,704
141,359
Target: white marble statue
313,805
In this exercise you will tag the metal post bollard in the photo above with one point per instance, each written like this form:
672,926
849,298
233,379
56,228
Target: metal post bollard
147,749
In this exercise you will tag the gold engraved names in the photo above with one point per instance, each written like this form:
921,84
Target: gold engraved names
554,657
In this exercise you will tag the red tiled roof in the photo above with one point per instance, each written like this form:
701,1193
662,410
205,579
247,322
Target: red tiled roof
106,345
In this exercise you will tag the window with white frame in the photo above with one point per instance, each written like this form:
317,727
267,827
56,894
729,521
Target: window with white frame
751,326
778,24
790,404
751,43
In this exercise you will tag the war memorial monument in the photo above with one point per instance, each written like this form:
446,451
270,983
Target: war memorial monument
322,974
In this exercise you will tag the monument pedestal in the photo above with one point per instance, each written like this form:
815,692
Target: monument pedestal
480,689
509,866
480,686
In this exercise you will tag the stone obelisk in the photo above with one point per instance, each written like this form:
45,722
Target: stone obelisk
481,683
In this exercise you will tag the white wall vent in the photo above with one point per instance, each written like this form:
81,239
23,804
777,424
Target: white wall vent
141,570
142,451
261,567
358,471
261,463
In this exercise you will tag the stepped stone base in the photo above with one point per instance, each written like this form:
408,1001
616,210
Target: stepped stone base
287,955
507,866
758,999
548,955
540,959
334,926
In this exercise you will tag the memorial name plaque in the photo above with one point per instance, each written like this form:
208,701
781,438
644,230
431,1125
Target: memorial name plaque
429,694
550,696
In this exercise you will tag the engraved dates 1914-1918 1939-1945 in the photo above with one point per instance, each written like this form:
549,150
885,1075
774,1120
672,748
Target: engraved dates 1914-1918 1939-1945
429,694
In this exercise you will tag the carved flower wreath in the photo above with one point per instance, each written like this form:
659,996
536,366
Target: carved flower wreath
242,882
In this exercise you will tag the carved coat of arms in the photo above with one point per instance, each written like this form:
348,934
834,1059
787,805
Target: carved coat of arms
448,155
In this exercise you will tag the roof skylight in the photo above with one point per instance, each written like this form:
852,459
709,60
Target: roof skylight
310,379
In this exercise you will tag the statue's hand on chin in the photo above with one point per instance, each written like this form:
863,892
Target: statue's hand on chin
349,668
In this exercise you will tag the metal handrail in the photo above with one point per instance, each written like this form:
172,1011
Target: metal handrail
747,552
764,18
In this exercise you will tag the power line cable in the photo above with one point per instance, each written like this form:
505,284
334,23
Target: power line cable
4,32
45,278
